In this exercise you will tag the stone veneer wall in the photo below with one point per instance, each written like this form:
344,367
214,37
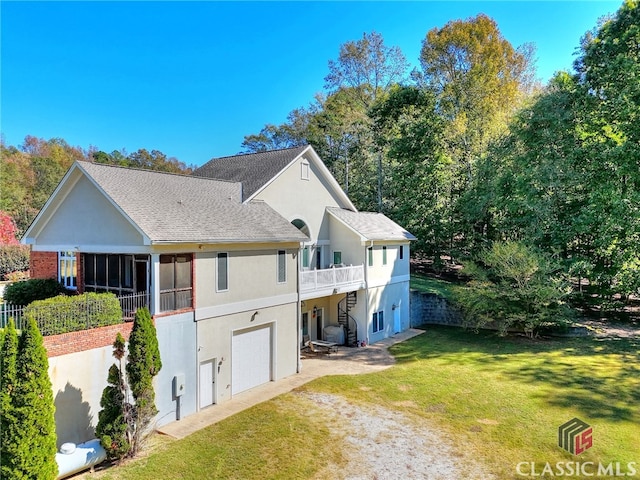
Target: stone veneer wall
432,309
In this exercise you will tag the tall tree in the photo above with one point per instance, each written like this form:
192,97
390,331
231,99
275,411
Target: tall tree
143,364
408,129
35,440
479,79
366,68
8,422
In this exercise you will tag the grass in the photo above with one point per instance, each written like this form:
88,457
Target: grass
499,400
426,284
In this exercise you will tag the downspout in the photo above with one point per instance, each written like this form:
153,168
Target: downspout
366,283
298,309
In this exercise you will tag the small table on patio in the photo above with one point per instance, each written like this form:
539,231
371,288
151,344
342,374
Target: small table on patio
320,346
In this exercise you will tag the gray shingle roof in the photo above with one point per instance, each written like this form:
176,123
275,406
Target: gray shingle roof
254,170
371,225
179,208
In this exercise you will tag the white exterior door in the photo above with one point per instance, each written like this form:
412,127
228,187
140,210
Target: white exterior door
251,359
207,383
397,326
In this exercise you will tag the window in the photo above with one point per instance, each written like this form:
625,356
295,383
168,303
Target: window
384,255
305,257
67,269
401,252
282,266
223,272
111,273
370,254
337,258
175,282
304,170
318,258
378,321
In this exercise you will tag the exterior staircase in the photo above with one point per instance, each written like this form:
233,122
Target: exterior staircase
346,320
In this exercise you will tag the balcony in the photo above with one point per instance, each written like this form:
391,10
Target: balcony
337,279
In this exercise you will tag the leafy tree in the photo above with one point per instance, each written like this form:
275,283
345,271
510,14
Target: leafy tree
8,230
116,419
8,420
408,129
366,68
514,287
479,80
33,445
143,364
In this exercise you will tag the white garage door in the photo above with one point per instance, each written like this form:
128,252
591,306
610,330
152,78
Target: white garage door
251,359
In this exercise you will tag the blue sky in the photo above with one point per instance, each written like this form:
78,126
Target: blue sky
191,79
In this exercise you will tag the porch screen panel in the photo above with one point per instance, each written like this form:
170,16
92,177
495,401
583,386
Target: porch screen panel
183,281
167,276
114,270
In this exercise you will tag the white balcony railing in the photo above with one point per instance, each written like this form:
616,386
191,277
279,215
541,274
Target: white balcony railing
333,277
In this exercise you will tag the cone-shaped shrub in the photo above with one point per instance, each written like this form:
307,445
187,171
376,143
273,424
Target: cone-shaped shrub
8,423
143,364
33,449
114,420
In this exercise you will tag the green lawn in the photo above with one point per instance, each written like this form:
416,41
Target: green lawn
499,399
426,284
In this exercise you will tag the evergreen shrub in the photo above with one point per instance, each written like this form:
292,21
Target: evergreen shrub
23,293
64,314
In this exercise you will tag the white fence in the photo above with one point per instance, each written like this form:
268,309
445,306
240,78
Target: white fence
128,303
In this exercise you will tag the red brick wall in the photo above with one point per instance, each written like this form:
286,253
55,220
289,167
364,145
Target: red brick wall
43,264
79,273
73,342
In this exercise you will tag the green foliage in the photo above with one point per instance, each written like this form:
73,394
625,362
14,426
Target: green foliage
23,293
32,447
115,422
13,258
8,380
514,288
64,314
410,132
143,364
123,426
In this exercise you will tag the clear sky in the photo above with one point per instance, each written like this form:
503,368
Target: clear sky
191,79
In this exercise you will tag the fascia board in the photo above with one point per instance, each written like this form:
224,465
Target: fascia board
46,212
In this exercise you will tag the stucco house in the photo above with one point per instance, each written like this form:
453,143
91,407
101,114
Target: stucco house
239,263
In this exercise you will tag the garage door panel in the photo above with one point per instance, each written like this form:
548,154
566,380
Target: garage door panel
251,359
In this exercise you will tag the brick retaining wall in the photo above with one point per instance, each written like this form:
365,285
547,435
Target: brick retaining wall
73,342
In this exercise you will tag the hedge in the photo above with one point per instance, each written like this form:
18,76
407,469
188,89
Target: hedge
64,314
23,293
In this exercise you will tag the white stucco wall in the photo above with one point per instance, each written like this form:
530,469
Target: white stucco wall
296,198
215,341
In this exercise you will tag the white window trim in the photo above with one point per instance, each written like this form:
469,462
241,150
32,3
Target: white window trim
218,271
70,261
375,325
304,170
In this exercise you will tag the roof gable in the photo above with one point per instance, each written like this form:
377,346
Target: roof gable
169,208
371,226
257,171
253,170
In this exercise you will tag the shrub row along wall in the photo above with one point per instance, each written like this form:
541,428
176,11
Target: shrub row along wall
429,308
74,342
